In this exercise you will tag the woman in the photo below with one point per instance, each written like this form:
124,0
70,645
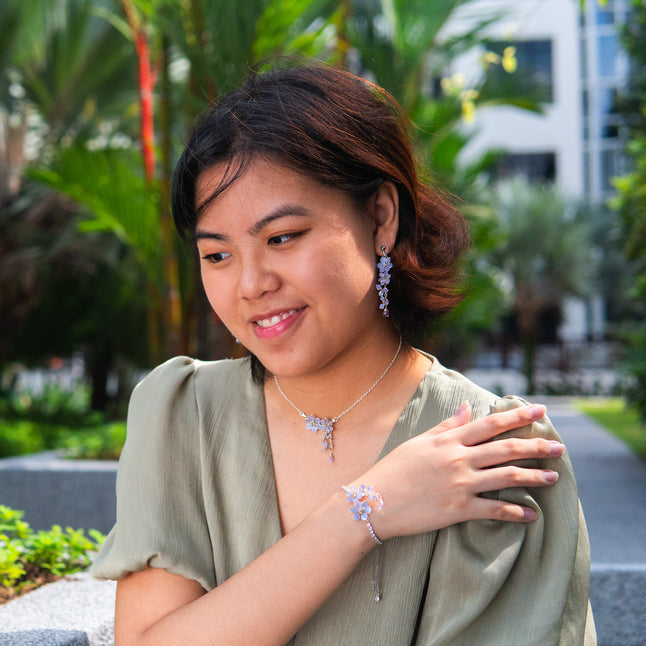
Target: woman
251,491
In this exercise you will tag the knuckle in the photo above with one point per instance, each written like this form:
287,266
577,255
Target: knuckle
501,512
459,502
436,442
517,476
517,447
461,484
497,423
544,446
510,449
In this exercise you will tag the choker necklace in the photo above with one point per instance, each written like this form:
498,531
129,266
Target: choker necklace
315,424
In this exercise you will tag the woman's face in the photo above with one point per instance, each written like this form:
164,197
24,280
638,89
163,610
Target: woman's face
289,266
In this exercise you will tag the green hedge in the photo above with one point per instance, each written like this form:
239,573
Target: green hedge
57,419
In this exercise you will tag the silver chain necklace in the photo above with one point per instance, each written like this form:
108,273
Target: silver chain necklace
315,424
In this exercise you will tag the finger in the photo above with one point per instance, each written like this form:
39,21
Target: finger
488,509
461,417
500,451
512,476
488,427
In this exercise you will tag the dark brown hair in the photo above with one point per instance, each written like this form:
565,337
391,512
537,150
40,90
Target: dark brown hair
345,133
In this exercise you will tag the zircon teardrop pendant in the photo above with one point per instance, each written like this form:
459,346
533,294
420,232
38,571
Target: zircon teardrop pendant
316,424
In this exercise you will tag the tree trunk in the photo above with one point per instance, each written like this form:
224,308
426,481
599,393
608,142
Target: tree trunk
529,361
98,362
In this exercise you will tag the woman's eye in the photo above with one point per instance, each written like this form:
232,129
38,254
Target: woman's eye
283,238
216,257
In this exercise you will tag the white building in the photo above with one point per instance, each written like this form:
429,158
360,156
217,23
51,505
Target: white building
573,58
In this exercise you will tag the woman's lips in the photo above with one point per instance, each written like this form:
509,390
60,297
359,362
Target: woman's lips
274,325
265,323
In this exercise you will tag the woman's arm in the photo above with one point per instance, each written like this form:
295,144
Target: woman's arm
429,482
265,603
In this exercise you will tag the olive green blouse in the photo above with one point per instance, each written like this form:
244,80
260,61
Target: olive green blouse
196,496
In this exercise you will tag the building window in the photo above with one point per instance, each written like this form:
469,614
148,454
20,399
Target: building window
535,167
604,16
533,78
607,53
608,118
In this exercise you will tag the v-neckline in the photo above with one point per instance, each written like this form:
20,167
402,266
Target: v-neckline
398,434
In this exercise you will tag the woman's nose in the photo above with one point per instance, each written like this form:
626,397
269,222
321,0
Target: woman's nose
256,278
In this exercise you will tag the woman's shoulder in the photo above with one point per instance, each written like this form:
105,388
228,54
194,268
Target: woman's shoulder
448,384
172,395
451,384
179,372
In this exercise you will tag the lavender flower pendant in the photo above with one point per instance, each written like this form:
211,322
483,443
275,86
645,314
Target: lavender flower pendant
315,424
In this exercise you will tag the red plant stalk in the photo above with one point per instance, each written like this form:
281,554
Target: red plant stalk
146,98
146,84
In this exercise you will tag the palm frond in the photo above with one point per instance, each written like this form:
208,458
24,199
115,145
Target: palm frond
110,186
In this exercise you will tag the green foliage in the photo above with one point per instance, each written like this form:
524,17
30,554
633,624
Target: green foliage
289,27
457,335
70,63
92,441
545,254
28,557
52,402
74,62
57,419
111,186
546,250
103,442
634,362
630,203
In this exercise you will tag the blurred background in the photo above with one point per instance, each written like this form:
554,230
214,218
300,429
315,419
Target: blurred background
531,114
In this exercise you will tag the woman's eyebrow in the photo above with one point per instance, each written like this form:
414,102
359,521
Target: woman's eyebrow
281,212
207,235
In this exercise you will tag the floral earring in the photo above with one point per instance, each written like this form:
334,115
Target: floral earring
384,265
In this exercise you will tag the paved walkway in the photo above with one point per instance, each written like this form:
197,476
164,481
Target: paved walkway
612,487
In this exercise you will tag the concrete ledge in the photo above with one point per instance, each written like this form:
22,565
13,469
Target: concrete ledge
75,611
45,638
52,490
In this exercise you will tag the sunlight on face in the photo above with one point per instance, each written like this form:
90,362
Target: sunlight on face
288,265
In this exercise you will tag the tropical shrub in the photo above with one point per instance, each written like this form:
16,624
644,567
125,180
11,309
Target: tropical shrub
29,559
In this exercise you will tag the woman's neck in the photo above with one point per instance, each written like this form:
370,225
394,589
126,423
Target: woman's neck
348,377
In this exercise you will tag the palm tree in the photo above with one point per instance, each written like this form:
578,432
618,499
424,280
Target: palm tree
66,76
546,255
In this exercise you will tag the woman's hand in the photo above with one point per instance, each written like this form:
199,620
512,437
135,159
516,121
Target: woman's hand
434,480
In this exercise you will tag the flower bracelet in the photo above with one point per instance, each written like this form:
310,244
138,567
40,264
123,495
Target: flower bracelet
361,498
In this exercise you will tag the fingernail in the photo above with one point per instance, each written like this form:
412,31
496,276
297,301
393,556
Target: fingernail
550,476
530,514
464,407
537,411
556,448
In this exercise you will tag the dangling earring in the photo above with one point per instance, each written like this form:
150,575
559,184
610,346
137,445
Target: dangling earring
384,265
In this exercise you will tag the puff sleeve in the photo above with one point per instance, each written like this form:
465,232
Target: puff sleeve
160,503
514,584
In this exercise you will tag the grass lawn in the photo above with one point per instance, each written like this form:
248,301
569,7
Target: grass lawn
612,414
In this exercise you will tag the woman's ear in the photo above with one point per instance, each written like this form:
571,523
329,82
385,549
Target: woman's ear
385,214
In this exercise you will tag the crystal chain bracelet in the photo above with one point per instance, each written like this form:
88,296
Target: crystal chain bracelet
362,498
